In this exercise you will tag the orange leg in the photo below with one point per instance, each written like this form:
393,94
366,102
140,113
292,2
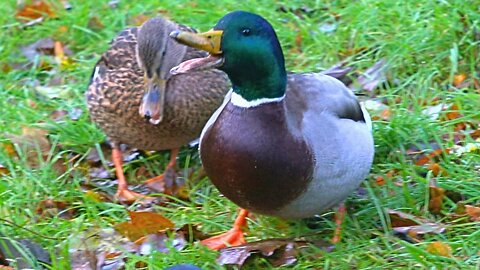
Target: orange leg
233,237
123,194
157,183
339,217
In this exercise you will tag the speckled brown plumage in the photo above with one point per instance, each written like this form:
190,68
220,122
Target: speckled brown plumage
117,86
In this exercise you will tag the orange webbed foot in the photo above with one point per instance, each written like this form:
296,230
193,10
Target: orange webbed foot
233,237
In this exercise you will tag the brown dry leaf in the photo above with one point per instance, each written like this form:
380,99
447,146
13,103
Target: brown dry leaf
61,51
473,212
424,159
412,226
48,47
51,208
271,249
436,199
379,180
436,169
99,249
279,252
171,185
440,249
459,79
8,148
298,42
95,23
454,113
143,223
61,115
192,233
36,148
138,19
475,134
4,170
34,11
58,115
33,141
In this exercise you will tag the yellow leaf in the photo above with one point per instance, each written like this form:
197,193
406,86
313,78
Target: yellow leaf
143,223
440,249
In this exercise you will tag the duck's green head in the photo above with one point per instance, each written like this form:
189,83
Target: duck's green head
245,46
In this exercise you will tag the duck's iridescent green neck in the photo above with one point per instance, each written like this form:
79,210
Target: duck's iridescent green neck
260,78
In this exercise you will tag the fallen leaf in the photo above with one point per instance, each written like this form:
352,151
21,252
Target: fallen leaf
440,249
48,47
279,252
436,195
298,42
95,23
60,115
424,159
411,226
99,249
8,148
34,11
373,76
3,170
339,71
51,208
44,46
161,242
33,142
138,19
475,134
459,79
377,108
436,169
192,233
143,223
473,212
379,180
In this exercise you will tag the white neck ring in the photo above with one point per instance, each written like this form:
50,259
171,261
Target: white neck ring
239,101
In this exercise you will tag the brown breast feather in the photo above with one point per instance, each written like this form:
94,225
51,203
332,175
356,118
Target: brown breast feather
253,160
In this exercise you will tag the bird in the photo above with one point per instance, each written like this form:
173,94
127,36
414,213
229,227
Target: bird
135,100
285,145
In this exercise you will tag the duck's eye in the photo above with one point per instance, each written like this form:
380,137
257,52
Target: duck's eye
246,32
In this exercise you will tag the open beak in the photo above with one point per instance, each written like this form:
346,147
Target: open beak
210,41
153,101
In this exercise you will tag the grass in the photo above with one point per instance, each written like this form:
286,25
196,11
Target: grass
425,43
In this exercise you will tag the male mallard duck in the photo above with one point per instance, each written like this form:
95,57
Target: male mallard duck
133,97
288,146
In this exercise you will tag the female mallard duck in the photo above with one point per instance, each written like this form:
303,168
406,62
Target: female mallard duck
288,146
136,101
